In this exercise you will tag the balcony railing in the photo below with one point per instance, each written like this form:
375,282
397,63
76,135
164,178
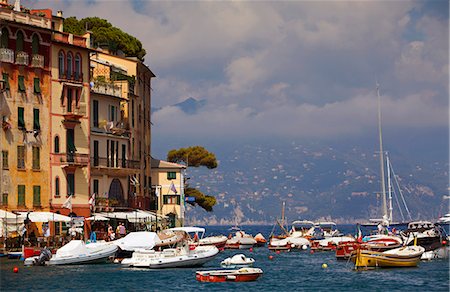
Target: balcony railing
71,76
6,55
22,58
37,61
114,163
75,159
26,18
107,88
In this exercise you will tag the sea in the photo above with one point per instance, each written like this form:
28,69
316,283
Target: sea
293,271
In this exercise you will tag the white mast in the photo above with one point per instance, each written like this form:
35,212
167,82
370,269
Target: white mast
383,186
389,187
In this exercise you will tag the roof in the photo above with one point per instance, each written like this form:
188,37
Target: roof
156,163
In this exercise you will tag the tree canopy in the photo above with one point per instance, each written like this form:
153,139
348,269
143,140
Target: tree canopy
195,156
105,34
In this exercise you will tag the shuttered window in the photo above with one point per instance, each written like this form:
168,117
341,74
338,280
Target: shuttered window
171,200
20,157
21,195
5,199
171,175
5,162
36,124
37,85
36,158
20,118
6,81
36,196
70,184
21,83
57,188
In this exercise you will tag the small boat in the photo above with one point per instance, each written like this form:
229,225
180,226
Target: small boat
289,243
260,240
196,237
134,241
444,219
345,249
237,261
14,254
76,252
240,240
181,256
218,241
429,236
405,256
330,243
168,237
241,275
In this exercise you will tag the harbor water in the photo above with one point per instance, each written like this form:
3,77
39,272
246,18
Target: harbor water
294,271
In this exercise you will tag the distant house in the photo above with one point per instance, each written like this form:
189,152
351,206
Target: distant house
168,186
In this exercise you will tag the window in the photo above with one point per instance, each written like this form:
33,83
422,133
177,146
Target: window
20,119
35,44
71,141
96,162
5,162
19,41
95,113
20,157
69,65
96,186
69,100
57,189
21,84
132,113
4,38
6,81
5,199
112,113
124,151
70,184
56,144
37,86
21,195
171,199
77,67
171,175
36,196
36,158
36,124
61,64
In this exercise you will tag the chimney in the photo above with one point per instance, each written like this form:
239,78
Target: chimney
59,13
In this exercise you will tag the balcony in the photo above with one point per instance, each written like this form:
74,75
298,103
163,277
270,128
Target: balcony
37,61
72,117
22,58
114,166
6,55
71,76
108,89
26,18
71,160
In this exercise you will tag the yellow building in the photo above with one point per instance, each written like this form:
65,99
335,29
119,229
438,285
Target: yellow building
168,186
69,126
123,86
25,95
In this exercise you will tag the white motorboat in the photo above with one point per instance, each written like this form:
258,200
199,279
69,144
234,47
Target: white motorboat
289,243
240,240
182,256
134,241
76,252
196,235
438,253
444,219
237,261
218,241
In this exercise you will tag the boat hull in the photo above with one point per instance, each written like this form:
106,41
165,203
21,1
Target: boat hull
241,275
374,259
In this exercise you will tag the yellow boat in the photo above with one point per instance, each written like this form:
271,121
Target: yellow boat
405,256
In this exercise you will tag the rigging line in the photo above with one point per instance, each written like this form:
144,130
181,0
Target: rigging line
401,193
398,204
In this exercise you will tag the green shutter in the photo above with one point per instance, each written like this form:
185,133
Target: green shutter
165,199
21,195
21,83
5,199
70,141
5,159
36,158
70,184
36,195
6,80
178,200
36,124
37,85
20,119
171,175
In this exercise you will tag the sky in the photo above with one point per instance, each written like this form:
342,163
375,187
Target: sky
294,69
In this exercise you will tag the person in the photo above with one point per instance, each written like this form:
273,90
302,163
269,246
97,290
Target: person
22,233
111,234
122,230
118,230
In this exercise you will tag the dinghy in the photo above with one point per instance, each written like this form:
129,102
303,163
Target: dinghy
237,261
241,275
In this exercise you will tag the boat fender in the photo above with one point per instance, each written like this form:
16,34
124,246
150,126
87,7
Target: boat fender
93,237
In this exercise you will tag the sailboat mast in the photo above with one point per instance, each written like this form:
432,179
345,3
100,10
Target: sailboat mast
389,186
282,214
383,186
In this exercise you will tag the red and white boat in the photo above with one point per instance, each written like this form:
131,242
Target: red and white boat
378,243
241,275
218,240
240,240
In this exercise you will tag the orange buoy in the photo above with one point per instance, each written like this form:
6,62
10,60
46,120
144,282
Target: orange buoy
16,270
271,257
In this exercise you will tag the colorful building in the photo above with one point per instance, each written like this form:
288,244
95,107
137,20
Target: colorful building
25,101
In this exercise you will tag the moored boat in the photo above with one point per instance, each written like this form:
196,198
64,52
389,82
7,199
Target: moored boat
218,241
240,240
241,275
405,256
237,261
260,240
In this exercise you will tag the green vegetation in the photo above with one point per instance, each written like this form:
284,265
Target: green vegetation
195,156
105,34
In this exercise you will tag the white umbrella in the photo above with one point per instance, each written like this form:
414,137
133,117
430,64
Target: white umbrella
46,217
97,218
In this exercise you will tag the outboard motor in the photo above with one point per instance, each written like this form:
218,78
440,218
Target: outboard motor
44,256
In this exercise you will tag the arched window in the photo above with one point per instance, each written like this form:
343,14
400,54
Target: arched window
35,44
57,188
69,65
19,41
77,66
4,38
56,144
61,64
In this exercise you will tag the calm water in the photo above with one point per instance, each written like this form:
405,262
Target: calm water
293,271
